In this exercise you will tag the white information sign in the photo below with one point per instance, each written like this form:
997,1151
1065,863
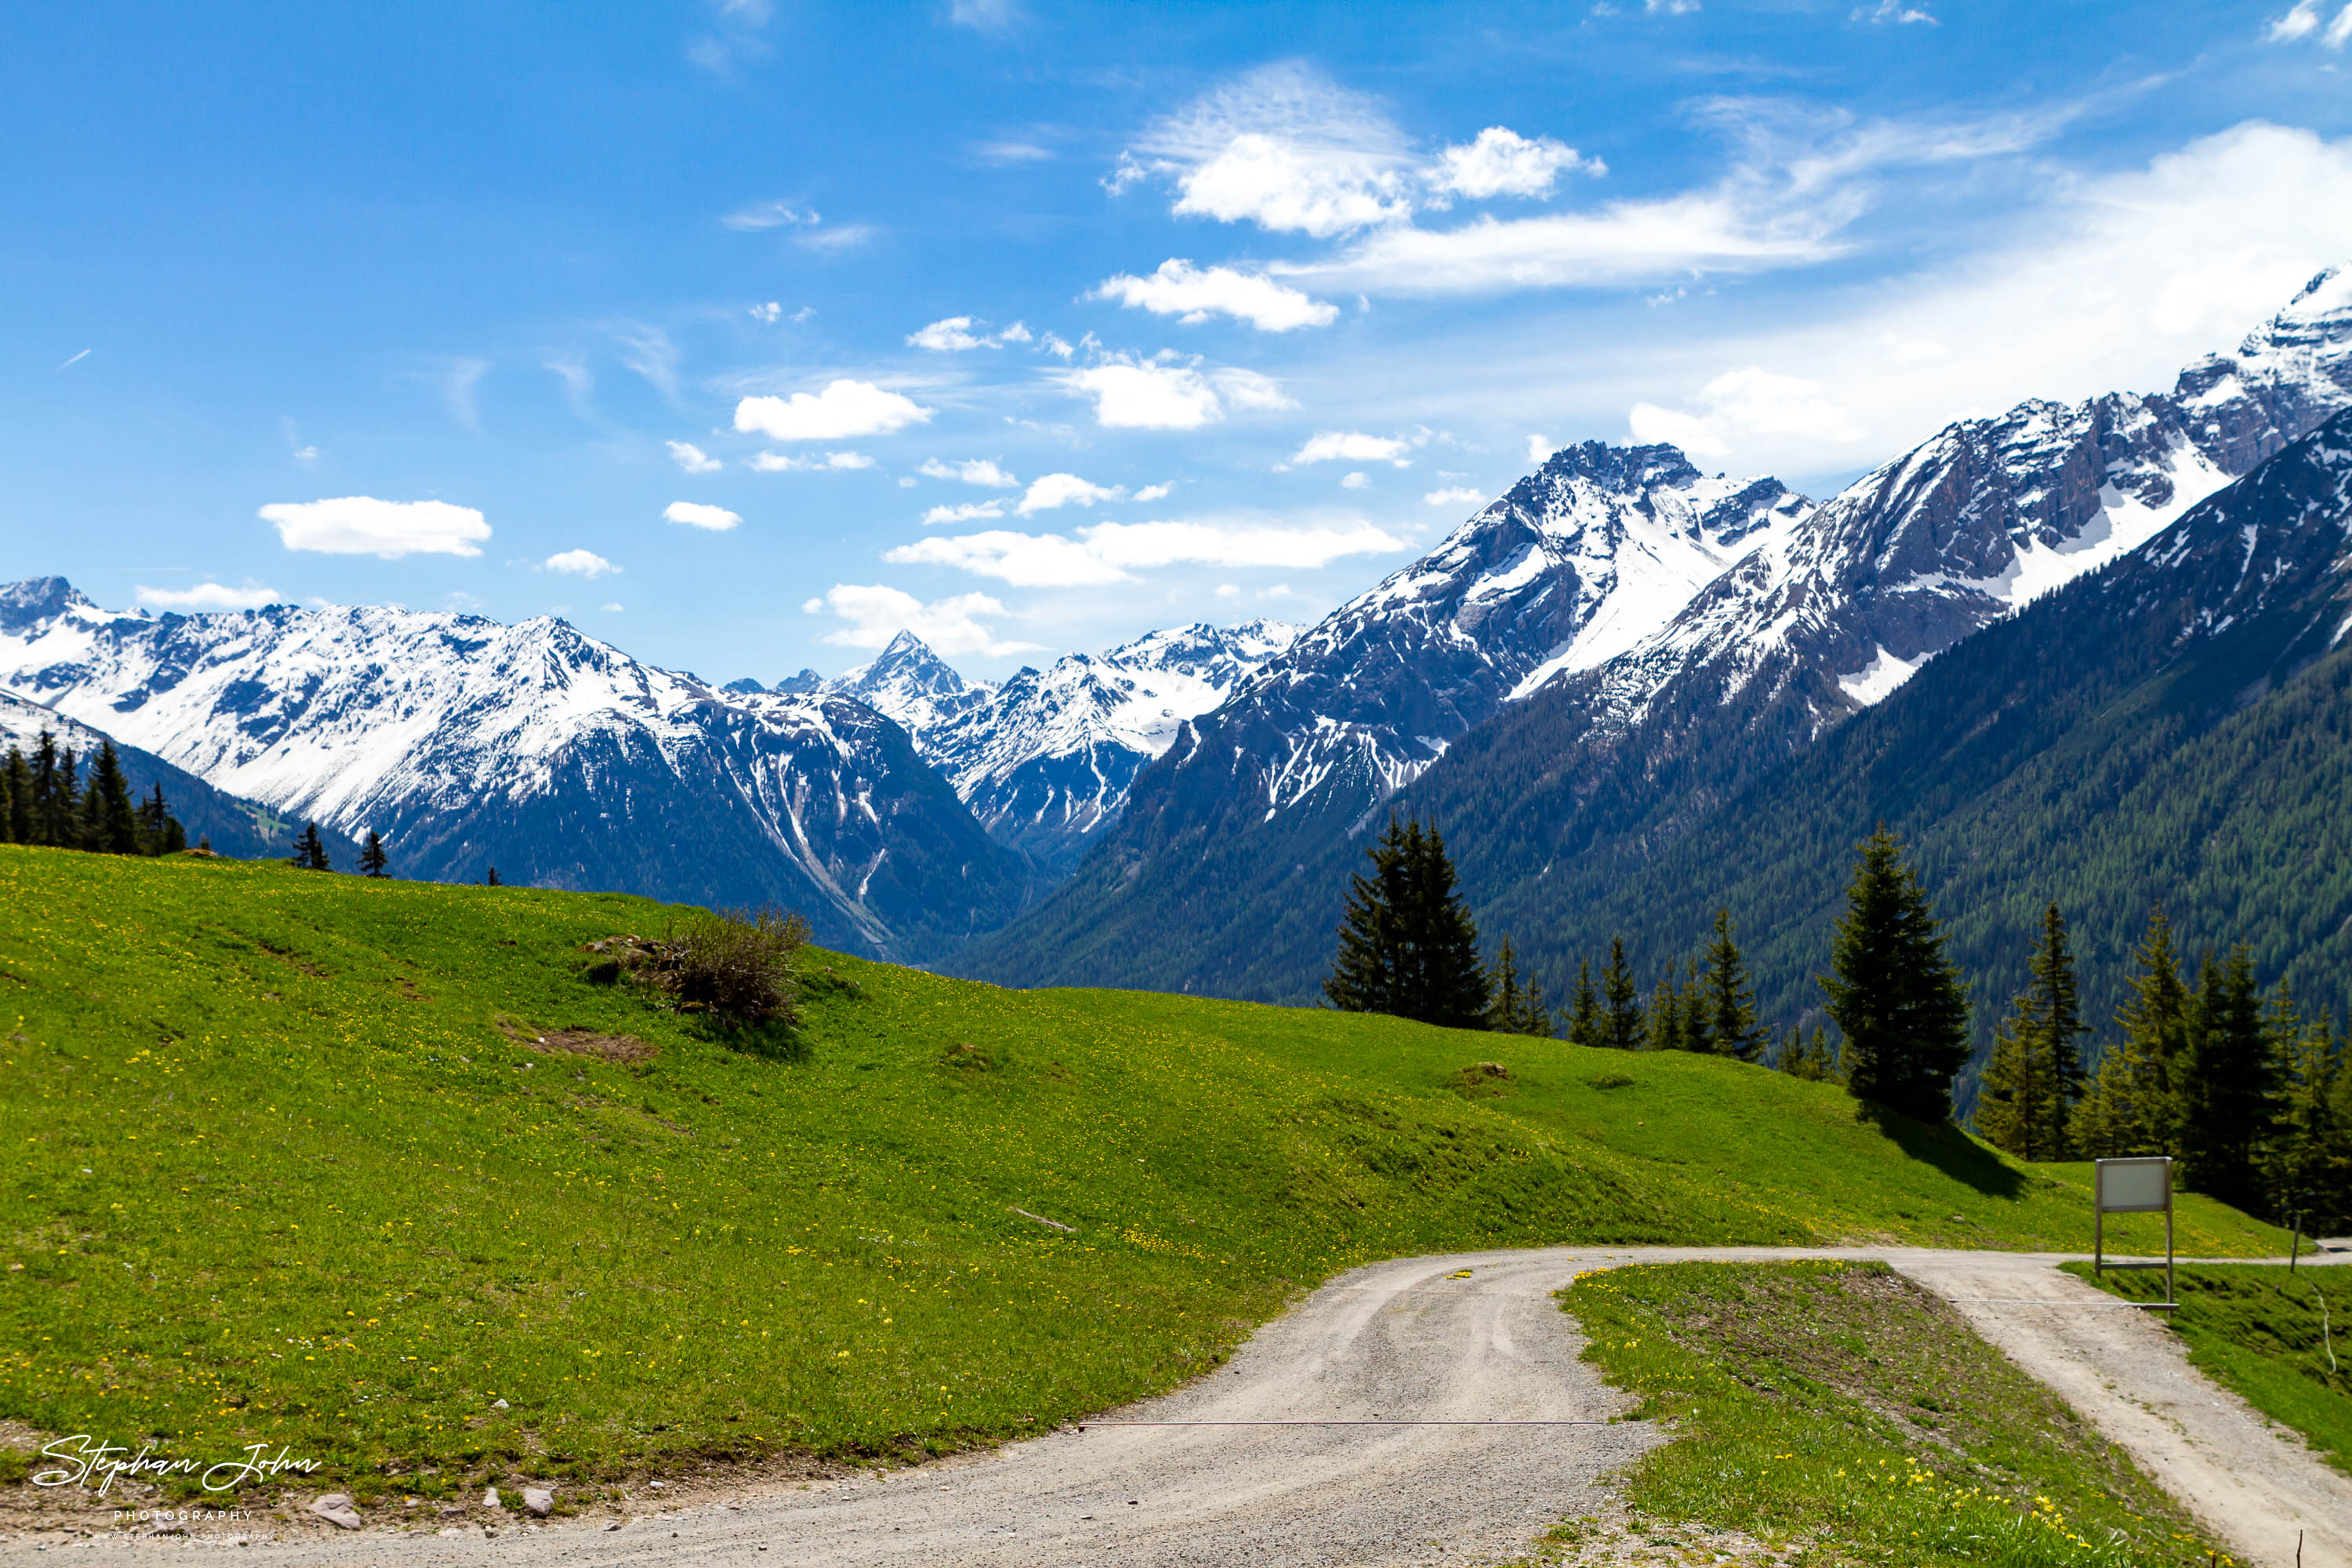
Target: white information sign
2135,1187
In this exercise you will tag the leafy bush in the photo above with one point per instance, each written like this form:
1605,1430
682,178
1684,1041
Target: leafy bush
737,966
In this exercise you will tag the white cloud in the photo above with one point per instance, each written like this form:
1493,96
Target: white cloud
209,596
1248,391
760,215
963,512
1067,490
1454,495
1358,481
1144,394
363,525
1670,7
1156,492
579,564
1744,404
971,472
1895,11
846,237
986,16
2302,21
876,613
844,408
1015,333
1179,289
1108,553
610,609
693,514
1797,180
778,463
952,335
693,459
1057,346
305,455
649,352
1353,447
769,313
1229,590
1010,151
1538,448
1502,162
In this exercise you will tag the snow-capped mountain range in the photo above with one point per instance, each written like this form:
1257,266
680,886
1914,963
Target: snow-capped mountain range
534,748
1625,641
1044,760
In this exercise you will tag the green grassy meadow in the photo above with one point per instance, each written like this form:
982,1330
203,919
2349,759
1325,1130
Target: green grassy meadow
288,1166
2282,1340
1838,1413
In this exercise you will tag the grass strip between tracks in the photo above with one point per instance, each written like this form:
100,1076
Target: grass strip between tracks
1837,1413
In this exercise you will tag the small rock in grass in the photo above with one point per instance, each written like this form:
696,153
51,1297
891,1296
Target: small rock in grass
490,1499
538,1501
336,1509
497,1404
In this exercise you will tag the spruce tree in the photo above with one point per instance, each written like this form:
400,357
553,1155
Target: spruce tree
1893,992
2036,1071
57,796
160,832
1452,987
309,852
1587,1024
1827,1067
1622,1025
1370,973
2309,1144
1731,1000
1505,1015
2229,1084
1793,1058
15,781
110,823
1666,1022
372,858
492,879
2130,1108
1694,1028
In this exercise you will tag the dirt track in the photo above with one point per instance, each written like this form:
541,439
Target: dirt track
1399,1348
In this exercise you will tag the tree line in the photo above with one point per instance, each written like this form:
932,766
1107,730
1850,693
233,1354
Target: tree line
2251,1095
45,800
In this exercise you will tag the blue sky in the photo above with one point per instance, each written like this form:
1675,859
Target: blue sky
743,333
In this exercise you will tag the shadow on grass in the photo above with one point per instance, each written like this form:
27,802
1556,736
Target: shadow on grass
1947,1148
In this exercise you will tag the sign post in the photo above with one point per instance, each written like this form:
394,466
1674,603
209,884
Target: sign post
2142,1185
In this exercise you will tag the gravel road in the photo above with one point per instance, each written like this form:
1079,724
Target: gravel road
1396,1352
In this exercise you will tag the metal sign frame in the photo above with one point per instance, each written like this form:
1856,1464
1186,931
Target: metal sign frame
2142,1184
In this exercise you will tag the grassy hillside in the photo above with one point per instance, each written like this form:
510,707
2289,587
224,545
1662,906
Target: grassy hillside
291,1163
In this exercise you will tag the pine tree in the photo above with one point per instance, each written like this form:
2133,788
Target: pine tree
2131,1106
372,858
1893,992
492,879
1665,1023
1694,1028
1792,1059
160,832
1453,988
1828,1067
110,823
1730,998
1502,1017
309,852
2036,1071
2228,1084
2308,1146
15,798
1370,973
1587,1024
1621,1024
56,798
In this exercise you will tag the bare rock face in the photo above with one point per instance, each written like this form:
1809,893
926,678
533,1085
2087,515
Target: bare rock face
336,1509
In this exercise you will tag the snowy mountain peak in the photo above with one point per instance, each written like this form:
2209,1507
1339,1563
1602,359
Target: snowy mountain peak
910,683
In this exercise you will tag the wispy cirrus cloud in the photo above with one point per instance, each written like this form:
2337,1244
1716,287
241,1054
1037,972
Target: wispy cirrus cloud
1106,552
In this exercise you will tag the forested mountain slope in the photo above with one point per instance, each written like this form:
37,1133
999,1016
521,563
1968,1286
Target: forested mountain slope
2177,726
